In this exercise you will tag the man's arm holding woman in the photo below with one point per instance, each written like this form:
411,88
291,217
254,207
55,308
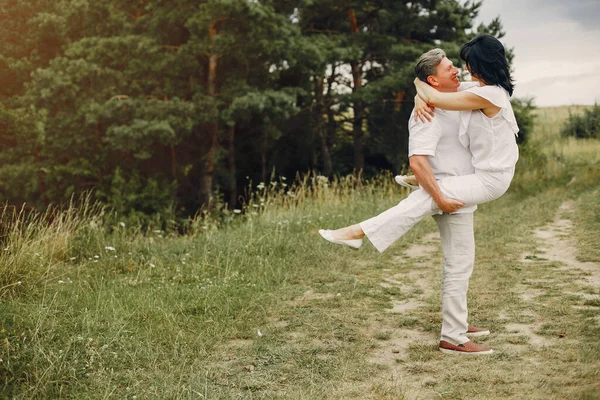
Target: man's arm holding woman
419,164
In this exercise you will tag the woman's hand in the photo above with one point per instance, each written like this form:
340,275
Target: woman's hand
422,110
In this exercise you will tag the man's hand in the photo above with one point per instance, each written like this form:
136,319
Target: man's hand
449,205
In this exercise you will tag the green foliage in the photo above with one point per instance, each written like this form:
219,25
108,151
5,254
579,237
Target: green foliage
137,200
523,109
166,105
583,126
19,166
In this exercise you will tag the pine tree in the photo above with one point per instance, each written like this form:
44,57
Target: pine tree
153,103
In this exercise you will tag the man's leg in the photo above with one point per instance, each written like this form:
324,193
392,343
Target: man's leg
458,244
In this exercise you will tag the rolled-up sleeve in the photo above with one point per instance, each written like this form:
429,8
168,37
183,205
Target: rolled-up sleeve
423,137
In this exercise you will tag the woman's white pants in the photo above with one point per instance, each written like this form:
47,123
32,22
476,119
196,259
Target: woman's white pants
477,188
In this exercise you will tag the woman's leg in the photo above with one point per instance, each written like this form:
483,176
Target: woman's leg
389,226
480,187
349,232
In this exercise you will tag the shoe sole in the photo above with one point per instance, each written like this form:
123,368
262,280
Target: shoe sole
477,334
402,183
341,243
466,353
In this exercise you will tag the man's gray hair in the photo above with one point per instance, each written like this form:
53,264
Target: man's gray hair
428,62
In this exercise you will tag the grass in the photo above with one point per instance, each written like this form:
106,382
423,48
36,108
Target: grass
260,308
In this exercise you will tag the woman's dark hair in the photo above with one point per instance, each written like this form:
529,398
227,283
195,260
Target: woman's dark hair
486,60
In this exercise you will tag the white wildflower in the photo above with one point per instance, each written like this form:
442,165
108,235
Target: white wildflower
152,266
110,248
122,224
237,211
259,333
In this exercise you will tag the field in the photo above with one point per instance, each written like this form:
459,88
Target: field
261,308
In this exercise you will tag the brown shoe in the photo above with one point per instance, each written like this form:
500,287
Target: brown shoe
474,332
468,348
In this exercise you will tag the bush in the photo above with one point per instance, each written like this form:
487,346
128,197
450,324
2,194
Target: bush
523,109
583,126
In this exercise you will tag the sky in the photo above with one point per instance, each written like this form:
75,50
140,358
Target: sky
556,45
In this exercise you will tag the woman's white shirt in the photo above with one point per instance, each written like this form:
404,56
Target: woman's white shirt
492,141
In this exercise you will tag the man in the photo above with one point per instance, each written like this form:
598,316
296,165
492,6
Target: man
435,153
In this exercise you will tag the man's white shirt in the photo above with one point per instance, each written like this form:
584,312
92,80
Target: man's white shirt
438,139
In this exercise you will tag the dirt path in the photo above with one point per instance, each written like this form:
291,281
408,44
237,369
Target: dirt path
555,244
421,280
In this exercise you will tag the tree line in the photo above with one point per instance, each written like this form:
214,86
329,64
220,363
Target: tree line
151,103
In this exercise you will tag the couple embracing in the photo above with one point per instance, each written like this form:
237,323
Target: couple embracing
462,151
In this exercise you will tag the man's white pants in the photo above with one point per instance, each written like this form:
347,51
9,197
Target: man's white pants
458,244
477,188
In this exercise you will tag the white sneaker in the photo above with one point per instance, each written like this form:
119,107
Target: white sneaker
400,181
328,235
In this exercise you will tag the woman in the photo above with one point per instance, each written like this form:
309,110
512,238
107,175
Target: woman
487,127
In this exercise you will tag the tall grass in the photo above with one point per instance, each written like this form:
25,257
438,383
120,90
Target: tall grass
33,242
119,288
